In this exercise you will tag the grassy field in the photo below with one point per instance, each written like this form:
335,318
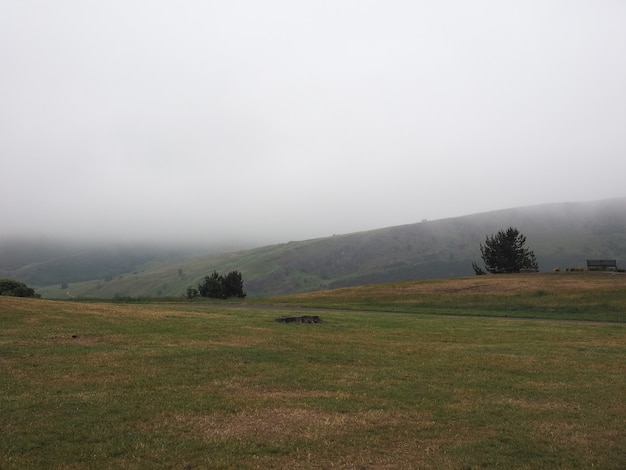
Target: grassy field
595,296
207,386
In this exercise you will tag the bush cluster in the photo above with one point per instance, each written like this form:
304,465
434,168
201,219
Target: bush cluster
16,288
216,286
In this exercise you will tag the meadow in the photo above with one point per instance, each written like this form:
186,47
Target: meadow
585,296
196,385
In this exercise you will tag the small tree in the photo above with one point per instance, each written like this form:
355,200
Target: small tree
232,285
192,293
211,286
506,252
478,270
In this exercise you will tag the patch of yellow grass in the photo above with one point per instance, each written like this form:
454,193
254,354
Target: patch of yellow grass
315,434
245,387
536,405
41,307
503,284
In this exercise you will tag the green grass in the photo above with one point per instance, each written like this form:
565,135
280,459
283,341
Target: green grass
101,385
565,296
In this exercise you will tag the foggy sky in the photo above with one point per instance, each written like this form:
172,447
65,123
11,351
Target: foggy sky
286,120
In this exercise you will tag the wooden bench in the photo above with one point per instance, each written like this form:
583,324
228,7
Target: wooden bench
601,264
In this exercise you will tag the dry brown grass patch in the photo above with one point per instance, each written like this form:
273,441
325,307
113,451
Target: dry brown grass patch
503,284
536,405
324,439
43,308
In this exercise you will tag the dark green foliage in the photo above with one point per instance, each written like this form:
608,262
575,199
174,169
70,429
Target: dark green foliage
211,286
477,269
15,288
232,285
192,293
216,286
506,252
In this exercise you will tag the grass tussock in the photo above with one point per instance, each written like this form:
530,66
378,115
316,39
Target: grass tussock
193,386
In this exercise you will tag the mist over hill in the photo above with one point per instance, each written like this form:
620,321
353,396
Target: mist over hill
41,261
561,235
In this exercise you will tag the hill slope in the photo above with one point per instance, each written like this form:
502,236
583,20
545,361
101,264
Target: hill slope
561,235
44,262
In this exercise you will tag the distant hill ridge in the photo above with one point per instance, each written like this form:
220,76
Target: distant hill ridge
561,235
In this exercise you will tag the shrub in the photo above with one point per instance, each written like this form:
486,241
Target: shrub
16,289
216,286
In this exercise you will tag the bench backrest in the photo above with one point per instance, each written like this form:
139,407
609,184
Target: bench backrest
601,263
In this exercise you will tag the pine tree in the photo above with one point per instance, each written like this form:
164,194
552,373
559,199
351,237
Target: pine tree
211,286
506,252
232,285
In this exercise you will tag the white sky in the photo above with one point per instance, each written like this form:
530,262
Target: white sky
285,120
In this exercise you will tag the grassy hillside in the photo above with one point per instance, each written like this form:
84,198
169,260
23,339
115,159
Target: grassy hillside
561,235
45,262
198,385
